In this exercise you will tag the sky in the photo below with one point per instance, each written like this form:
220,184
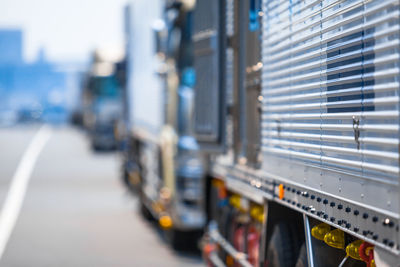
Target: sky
68,30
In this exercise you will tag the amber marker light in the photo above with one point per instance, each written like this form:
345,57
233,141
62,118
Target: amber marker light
281,191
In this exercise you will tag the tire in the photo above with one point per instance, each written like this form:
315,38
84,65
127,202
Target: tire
126,180
283,248
95,147
145,212
183,240
175,239
125,177
302,258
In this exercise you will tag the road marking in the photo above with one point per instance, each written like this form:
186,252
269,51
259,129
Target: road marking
19,183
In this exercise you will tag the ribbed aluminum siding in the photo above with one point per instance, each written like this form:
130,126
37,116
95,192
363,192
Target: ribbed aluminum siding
330,87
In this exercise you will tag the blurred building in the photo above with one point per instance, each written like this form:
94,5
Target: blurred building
40,85
10,46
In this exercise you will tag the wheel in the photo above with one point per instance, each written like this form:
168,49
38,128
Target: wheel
302,258
176,239
183,240
125,176
145,212
284,246
95,147
131,181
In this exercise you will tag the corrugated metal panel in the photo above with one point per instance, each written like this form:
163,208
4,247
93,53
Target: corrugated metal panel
330,87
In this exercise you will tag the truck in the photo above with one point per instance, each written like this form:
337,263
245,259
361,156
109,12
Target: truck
296,129
162,161
102,98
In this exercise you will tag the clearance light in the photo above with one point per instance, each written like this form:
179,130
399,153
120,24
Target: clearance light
229,260
208,249
220,185
165,222
235,201
281,191
257,213
222,193
157,207
352,250
319,231
217,183
165,194
335,239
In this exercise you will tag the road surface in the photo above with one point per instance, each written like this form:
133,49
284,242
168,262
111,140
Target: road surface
75,211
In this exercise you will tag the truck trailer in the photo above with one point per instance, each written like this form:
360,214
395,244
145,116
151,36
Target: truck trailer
295,128
163,162
102,98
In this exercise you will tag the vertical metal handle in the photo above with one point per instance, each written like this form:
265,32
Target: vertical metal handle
310,257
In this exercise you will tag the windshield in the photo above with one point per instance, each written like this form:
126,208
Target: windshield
105,86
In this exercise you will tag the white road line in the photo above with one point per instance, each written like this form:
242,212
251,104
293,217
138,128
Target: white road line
16,193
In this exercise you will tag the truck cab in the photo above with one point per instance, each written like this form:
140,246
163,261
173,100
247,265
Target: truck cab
102,101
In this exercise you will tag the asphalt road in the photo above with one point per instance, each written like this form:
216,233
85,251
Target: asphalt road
76,212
